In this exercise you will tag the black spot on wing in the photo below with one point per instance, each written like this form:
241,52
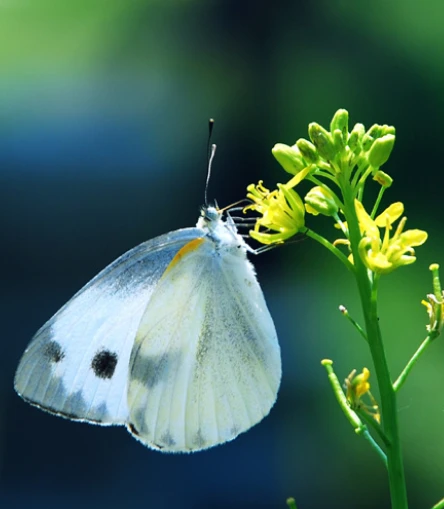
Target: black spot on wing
199,440
160,445
167,440
104,364
153,369
53,352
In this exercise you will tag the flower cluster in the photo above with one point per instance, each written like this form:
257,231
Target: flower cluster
338,164
382,255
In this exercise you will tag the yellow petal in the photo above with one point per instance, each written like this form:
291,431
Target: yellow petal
394,212
366,224
413,237
300,176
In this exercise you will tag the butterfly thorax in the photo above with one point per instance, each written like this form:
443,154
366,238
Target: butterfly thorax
222,233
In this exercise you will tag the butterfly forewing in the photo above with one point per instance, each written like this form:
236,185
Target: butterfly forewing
77,363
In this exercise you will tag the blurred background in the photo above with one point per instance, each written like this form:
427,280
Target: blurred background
103,128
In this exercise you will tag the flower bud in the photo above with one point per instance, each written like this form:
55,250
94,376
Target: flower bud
338,141
375,131
322,140
289,158
383,179
354,140
340,121
320,200
388,129
308,150
381,150
367,142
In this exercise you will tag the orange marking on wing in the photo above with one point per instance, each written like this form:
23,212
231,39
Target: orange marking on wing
187,248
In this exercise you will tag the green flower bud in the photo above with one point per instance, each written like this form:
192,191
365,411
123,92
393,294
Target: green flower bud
388,129
322,140
375,131
289,158
338,141
354,140
383,179
381,150
340,121
367,142
320,200
308,150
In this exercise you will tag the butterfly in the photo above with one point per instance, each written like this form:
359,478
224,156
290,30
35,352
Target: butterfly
172,340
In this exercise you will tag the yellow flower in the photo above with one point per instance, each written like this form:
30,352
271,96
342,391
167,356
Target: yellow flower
435,303
435,310
386,254
358,386
282,213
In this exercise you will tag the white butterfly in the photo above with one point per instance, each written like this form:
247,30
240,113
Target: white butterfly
173,340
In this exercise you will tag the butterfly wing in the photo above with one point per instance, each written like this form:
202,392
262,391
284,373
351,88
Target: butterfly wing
77,364
206,362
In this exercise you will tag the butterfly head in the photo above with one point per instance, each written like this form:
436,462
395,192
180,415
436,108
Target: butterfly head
222,232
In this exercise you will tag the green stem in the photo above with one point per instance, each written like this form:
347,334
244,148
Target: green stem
355,324
323,174
352,416
370,421
439,505
330,247
374,445
398,492
324,186
377,202
358,173
360,184
405,372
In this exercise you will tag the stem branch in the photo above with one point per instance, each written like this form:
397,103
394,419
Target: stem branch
330,247
405,372
352,416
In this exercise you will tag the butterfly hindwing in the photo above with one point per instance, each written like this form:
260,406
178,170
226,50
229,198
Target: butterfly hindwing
206,363
77,364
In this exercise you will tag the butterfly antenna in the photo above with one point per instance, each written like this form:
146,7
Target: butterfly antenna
211,151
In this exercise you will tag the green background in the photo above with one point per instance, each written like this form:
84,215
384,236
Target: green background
103,125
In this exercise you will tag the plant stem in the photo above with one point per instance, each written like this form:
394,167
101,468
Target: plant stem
375,446
355,324
405,372
377,202
389,412
371,423
352,416
330,247
439,505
